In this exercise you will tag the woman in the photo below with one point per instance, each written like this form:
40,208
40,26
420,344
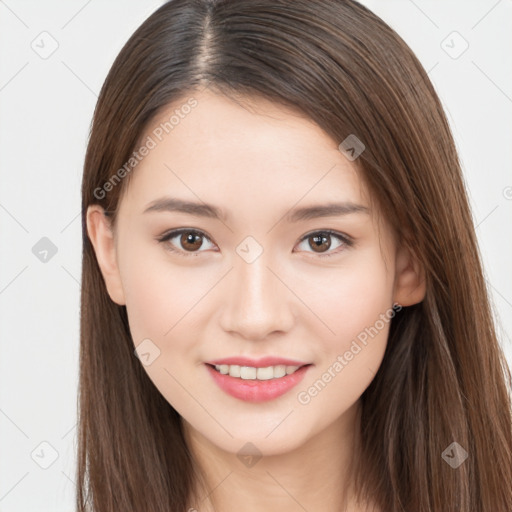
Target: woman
232,356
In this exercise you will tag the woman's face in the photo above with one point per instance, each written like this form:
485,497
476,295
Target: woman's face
254,275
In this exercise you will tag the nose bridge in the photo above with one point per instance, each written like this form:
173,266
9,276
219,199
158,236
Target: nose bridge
258,301
254,281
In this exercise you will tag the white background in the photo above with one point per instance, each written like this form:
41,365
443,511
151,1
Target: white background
46,106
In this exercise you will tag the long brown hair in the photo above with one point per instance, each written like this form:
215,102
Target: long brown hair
444,378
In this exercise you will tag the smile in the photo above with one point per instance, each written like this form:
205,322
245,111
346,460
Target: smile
251,372
253,384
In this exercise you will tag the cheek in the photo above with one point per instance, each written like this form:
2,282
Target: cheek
360,305
349,299
162,299
354,304
153,293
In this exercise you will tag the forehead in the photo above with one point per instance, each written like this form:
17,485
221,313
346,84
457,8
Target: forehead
242,151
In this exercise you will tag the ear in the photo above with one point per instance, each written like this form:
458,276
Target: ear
410,282
102,238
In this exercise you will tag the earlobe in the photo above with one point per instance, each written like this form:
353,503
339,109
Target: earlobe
102,239
410,281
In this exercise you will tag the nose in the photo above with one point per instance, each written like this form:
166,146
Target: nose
258,302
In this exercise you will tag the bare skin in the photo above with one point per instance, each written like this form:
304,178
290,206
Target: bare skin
205,301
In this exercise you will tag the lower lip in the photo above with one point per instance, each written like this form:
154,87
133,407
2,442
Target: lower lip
252,390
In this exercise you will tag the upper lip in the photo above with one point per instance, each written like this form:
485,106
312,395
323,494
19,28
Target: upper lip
257,363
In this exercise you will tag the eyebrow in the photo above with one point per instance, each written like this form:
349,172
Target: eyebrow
172,204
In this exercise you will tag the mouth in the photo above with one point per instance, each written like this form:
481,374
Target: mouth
256,384
256,373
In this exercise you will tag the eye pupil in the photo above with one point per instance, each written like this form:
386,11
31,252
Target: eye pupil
191,238
320,240
191,241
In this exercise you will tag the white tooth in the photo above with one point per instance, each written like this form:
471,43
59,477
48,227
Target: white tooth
251,373
279,371
247,372
234,370
265,373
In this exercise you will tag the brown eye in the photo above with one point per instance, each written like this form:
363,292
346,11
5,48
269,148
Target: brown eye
191,241
188,242
320,242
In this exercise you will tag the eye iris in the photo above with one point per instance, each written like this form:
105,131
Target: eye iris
191,238
320,240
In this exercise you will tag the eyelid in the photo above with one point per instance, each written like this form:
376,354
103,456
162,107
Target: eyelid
346,240
173,233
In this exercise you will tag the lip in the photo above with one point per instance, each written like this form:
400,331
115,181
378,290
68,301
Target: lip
253,390
257,363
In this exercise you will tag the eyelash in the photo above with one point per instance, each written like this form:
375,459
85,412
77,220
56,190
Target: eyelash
347,241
